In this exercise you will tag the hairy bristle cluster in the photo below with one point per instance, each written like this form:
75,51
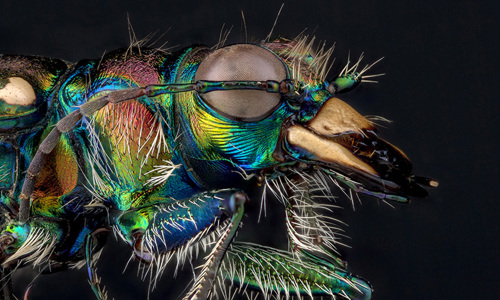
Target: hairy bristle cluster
205,240
353,69
257,271
308,62
37,248
305,196
149,145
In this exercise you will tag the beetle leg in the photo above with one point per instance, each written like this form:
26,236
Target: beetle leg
309,227
91,242
6,284
312,267
27,292
277,272
158,232
203,285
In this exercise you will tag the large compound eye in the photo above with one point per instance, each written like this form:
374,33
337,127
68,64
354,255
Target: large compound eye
242,62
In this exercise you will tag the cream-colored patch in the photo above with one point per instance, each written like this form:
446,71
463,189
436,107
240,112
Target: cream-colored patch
325,150
337,117
18,92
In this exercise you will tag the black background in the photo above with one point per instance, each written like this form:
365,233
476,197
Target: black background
438,91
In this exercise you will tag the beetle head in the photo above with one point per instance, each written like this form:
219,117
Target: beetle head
255,131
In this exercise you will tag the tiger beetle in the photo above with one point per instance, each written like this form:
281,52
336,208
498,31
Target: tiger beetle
163,149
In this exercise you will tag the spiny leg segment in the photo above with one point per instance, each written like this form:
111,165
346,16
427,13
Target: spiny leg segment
157,233
280,273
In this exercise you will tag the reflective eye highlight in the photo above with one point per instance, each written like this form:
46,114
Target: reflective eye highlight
243,62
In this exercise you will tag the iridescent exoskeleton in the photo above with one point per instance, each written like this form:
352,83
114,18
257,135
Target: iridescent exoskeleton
163,148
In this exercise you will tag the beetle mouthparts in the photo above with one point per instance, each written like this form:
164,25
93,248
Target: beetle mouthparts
343,141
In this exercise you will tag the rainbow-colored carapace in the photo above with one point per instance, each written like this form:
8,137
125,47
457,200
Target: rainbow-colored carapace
164,149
